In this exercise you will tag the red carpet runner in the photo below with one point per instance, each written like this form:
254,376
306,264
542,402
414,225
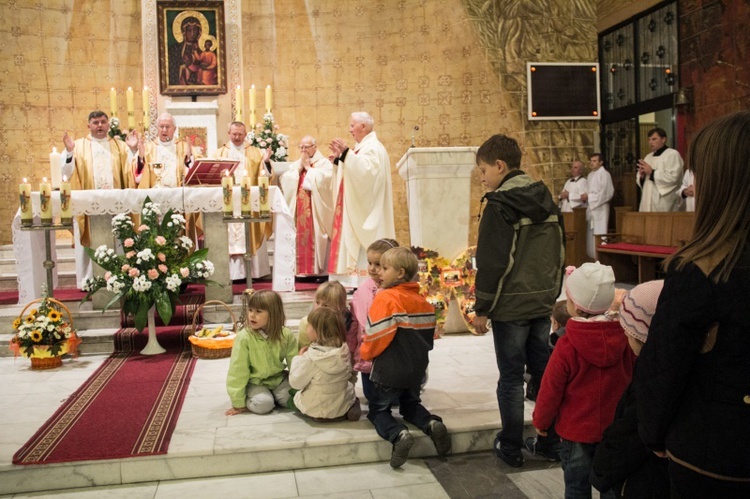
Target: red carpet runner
127,408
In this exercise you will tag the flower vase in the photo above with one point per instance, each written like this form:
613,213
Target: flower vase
152,347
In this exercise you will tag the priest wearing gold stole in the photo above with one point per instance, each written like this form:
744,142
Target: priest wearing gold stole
364,200
95,162
251,160
308,190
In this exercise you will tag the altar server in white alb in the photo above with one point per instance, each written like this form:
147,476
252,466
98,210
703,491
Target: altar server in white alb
251,161
99,162
600,192
364,200
659,175
308,190
687,191
570,196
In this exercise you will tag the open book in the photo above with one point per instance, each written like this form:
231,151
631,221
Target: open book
209,171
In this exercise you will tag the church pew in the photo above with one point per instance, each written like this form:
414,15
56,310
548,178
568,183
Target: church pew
575,237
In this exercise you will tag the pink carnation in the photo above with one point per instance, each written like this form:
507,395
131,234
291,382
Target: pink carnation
130,254
125,268
184,272
107,275
162,257
128,243
153,274
134,272
143,227
161,241
163,268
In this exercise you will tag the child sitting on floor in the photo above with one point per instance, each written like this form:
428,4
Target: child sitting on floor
322,371
588,371
622,462
262,351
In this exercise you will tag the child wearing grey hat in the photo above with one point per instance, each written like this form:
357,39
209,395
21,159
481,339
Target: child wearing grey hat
622,462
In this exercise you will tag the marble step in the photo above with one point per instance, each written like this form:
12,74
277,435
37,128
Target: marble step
65,264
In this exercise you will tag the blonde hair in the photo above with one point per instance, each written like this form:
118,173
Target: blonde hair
267,300
401,258
328,325
332,294
720,159
383,245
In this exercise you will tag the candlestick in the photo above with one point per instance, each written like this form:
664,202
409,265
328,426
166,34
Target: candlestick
54,168
269,99
45,198
251,98
146,109
265,206
130,108
65,203
24,195
227,183
245,195
112,102
238,104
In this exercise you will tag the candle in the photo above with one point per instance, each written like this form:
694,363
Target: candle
146,110
55,168
251,98
65,212
24,195
265,206
245,195
227,183
238,103
45,198
130,108
268,98
253,121
112,102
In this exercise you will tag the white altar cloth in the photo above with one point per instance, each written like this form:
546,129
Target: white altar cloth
28,246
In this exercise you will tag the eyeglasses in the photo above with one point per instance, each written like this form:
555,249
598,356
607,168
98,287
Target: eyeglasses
303,147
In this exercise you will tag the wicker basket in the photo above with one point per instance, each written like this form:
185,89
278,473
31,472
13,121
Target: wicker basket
202,347
48,361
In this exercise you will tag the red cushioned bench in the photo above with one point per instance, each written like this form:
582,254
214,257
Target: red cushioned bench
643,240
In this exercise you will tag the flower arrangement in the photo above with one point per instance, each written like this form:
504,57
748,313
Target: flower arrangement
157,261
114,129
44,331
266,135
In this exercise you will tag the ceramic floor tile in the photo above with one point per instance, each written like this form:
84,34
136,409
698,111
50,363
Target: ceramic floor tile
361,477
422,491
543,483
134,491
355,494
261,486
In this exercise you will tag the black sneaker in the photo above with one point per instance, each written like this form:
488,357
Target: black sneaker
549,452
401,448
512,458
440,437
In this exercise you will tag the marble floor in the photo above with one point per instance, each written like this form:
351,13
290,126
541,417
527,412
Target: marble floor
280,454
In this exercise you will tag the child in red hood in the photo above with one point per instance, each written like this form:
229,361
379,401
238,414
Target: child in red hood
587,373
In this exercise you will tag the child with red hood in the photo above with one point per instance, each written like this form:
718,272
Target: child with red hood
587,373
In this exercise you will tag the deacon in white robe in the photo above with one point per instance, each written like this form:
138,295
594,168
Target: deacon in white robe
570,196
687,191
250,159
600,193
364,200
95,162
311,204
659,175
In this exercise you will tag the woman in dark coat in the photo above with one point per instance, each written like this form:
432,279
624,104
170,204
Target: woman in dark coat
692,379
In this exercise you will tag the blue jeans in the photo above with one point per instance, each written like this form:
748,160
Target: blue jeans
576,464
410,407
519,346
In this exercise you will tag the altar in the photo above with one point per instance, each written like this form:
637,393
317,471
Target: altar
101,205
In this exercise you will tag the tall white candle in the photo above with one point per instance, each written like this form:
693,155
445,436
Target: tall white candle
45,198
130,108
112,102
54,168
269,99
24,195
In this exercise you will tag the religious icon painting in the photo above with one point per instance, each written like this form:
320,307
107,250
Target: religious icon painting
450,277
192,58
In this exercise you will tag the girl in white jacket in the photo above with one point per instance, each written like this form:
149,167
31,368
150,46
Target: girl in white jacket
322,371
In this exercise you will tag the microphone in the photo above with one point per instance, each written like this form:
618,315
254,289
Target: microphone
415,129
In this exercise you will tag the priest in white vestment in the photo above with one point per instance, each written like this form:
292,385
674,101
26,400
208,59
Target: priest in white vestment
600,193
659,175
175,156
308,190
251,160
570,196
364,200
96,161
